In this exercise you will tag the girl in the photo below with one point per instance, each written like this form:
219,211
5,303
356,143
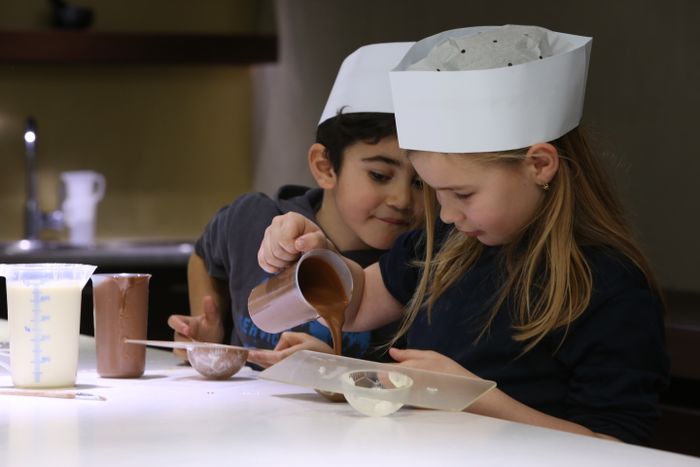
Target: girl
529,277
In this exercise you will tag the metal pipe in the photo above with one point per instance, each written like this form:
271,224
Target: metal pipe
32,214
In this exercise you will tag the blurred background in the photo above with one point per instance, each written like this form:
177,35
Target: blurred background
641,101
177,140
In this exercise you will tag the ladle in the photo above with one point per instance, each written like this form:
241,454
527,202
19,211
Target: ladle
213,361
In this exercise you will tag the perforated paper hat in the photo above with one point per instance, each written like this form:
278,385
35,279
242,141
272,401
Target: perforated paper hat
362,84
486,89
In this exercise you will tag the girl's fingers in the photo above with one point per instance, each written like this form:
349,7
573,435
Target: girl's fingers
311,241
267,259
274,254
262,262
286,238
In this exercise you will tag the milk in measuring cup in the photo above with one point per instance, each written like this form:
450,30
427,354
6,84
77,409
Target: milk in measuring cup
43,311
44,331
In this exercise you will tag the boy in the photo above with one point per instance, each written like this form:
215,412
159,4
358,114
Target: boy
368,195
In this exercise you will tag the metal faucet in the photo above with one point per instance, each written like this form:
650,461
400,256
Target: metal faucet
34,220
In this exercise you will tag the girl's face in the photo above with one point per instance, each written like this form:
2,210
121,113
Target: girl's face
377,196
490,201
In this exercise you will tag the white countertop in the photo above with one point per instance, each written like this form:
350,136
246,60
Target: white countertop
172,417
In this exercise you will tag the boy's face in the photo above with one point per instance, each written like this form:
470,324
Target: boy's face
376,197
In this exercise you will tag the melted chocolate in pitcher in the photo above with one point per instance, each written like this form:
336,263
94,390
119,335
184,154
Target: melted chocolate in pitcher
322,288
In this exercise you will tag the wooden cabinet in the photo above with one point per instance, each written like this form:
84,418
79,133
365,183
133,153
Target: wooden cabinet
680,408
104,48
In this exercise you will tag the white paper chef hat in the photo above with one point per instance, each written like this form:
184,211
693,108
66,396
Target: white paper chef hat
362,84
497,88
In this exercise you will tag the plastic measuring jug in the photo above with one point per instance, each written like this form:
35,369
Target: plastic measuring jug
43,310
292,297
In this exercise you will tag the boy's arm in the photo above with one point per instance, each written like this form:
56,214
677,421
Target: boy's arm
200,285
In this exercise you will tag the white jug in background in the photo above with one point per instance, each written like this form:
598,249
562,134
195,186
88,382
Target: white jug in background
83,190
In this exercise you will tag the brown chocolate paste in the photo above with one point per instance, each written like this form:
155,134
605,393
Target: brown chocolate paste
322,288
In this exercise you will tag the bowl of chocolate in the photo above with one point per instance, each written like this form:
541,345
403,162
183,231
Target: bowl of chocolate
217,362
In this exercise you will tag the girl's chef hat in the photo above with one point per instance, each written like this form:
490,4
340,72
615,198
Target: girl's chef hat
486,89
362,84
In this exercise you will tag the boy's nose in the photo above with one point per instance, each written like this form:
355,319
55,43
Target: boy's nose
400,197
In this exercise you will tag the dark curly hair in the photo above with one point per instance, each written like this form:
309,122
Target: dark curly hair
343,130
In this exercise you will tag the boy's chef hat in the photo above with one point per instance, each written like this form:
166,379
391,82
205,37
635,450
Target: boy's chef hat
362,84
486,89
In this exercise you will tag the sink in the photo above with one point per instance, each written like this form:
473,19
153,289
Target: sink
26,246
108,251
165,259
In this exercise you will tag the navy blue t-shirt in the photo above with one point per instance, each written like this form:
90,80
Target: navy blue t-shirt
229,247
606,373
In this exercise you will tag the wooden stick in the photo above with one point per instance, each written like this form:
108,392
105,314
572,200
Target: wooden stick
59,395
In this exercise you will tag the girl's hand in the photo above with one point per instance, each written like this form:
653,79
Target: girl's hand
286,238
289,343
428,360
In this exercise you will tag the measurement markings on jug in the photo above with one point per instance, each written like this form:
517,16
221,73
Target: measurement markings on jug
37,337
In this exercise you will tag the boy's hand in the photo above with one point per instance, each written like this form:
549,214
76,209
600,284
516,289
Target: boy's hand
286,238
206,327
289,343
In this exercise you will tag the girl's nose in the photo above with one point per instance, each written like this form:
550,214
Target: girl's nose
448,214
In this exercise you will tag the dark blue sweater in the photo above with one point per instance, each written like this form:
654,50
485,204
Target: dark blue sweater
606,373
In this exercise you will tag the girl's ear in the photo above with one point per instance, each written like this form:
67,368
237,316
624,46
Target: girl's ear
542,160
321,167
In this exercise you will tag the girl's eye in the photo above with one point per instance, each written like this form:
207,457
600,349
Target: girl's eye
417,183
379,177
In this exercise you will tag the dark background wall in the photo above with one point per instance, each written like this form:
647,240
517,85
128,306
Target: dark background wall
642,99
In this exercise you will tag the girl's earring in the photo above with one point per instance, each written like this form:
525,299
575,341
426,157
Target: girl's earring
545,187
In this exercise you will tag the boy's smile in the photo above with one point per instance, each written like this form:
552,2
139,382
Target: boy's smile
375,198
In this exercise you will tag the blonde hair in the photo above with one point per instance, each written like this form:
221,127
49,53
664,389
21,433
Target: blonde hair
545,269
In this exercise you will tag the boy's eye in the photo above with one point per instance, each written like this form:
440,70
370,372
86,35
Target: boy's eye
463,195
379,177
